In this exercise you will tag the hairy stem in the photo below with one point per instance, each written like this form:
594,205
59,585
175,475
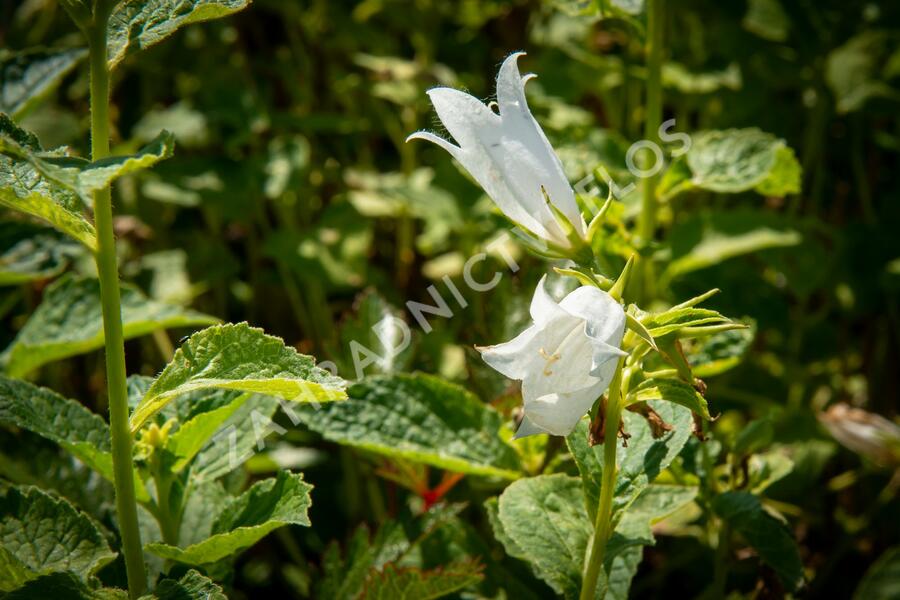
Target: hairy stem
603,522
646,224
107,268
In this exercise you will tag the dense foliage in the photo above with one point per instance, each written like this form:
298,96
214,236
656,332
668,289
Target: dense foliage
330,425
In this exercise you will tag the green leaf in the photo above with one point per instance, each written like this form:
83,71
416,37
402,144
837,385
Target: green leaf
192,586
42,534
882,580
654,504
83,176
859,70
421,418
29,251
64,586
677,318
266,506
545,518
69,322
767,535
767,19
191,436
671,390
409,583
639,463
733,161
713,237
24,189
27,76
62,421
720,352
134,26
243,358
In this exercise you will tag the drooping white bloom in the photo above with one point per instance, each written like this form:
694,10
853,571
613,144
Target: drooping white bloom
508,155
565,360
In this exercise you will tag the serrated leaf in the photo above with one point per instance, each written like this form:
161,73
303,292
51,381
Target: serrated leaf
27,76
24,189
84,177
134,26
69,322
713,237
409,583
192,586
639,463
243,358
42,534
62,421
671,390
266,506
768,536
421,418
29,251
733,161
545,517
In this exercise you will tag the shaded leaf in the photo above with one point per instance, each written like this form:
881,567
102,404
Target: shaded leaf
42,534
243,358
29,251
192,586
266,506
421,418
27,76
768,536
69,321
882,580
64,586
407,583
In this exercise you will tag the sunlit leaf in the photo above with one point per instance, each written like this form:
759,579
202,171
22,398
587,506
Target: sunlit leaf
243,358
69,322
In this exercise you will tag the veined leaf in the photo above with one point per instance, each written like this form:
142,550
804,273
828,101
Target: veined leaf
267,505
421,418
243,358
639,463
408,583
27,76
65,586
134,26
69,322
768,536
24,189
733,161
192,586
676,318
83,176
62,421
29,251
42,534
671,390
545,518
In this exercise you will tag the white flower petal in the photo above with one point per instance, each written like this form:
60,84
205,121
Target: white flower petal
559,413
466,117
604,316
436,139
526,428
517,357
543,307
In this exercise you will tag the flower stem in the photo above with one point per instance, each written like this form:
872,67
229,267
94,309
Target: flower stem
603,522
107,268
646,225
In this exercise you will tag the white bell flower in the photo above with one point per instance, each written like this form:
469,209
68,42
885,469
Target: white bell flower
509,156
566,360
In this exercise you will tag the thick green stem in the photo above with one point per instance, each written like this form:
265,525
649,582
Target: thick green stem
603,522
107,268
646,225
